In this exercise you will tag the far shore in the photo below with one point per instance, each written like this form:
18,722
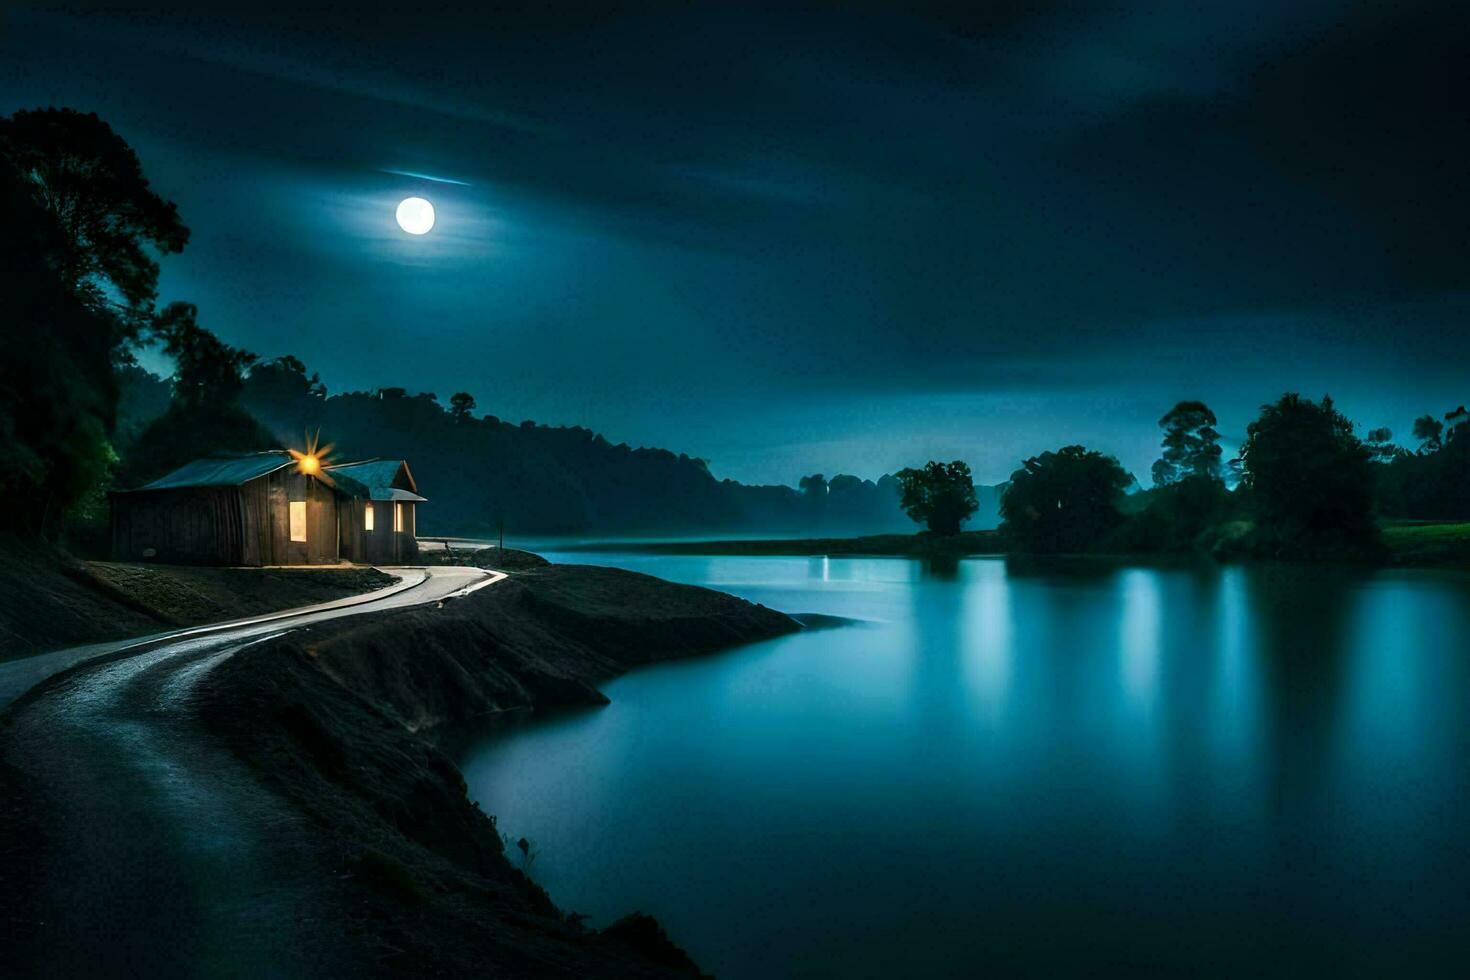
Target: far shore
966,544
1417,544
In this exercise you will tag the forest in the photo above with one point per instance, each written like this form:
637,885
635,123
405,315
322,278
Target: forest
480,472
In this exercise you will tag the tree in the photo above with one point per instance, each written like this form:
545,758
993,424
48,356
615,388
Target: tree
1310,480
285,378
1190,444
1428,430
204,415
281,389
1457,423
58,397
90,182
207,369
1379,443
941,496
461,404
1063,502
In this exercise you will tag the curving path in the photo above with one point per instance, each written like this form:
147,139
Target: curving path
164,856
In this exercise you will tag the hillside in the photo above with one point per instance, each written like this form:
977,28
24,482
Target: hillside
479,471
49,599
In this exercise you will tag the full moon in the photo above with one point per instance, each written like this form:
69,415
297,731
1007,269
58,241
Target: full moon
415,215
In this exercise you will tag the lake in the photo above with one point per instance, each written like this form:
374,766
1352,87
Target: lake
1069,769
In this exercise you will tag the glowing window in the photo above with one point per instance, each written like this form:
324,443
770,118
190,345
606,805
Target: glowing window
298,520
398,518
367,517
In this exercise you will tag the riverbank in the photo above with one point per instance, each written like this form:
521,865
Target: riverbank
1407,545
1429,544
50,600
963,545
344,726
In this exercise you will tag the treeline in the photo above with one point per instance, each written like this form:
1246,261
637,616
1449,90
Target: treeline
1303,486
481,471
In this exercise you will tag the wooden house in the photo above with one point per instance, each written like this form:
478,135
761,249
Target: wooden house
270,508
379,511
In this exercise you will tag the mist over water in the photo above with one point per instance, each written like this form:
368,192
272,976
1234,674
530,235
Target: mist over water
1258,770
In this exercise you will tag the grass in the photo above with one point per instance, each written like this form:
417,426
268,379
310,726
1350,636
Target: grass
1428,544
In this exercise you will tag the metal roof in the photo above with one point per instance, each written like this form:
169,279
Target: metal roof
374,479
222,470
394,493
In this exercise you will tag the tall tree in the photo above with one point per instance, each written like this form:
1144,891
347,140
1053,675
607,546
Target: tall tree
90,181
204,415
1457,422
1063,502
206,368
1190,445
1428,430
1309,478
461,404
940,496
58,397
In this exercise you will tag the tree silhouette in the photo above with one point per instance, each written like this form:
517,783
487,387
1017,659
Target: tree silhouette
1190,444
1064,501
204,415
1457,422
1310,479
1428,430
940,496
461,404
206,368
91,183
57,392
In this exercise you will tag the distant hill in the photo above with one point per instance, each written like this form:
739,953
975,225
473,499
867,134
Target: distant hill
480,470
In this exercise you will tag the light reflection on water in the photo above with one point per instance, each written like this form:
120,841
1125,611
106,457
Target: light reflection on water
1063,769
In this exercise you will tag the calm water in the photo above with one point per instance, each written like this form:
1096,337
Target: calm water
1225,771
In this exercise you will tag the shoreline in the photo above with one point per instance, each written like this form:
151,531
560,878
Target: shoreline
966,544
1444,545
348,726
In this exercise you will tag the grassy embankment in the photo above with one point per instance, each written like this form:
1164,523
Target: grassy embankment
50,600
1428,544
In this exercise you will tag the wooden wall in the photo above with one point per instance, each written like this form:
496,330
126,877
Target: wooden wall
188,526
320,546
380,546
244,525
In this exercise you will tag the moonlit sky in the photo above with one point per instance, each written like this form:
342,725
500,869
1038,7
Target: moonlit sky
818,240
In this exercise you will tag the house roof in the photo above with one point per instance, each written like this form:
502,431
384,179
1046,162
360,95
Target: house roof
222,470
376,479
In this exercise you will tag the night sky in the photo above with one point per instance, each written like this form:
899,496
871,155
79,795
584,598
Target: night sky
822,240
